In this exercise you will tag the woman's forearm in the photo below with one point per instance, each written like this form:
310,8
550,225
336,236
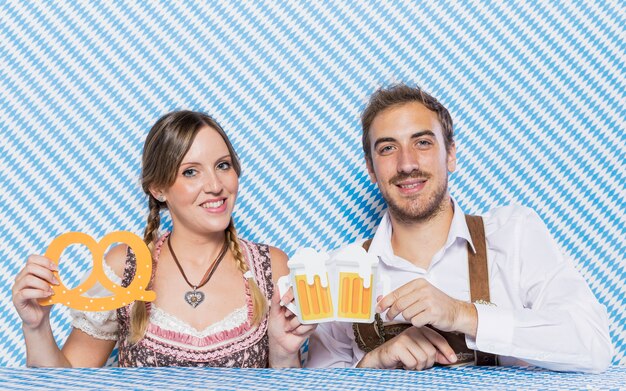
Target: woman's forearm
41,348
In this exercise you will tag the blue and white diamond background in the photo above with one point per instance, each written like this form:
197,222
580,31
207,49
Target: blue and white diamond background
536,91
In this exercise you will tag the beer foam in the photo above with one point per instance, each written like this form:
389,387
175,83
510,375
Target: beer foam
356,255
313,263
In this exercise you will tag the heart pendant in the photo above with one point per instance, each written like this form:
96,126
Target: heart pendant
193,298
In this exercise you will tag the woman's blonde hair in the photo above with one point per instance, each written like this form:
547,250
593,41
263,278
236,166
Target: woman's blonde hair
166,145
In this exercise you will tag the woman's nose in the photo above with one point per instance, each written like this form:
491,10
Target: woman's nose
212,184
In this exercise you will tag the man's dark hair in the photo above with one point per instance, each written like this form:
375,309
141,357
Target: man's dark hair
399,94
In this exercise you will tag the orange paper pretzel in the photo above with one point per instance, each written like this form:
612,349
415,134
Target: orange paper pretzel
121,296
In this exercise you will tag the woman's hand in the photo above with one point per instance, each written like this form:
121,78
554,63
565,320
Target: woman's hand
32,283
286,333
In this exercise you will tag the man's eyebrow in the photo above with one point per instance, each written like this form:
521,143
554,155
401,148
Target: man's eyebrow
384,140
426,132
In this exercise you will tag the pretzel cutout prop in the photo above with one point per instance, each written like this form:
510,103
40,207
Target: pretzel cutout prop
73,298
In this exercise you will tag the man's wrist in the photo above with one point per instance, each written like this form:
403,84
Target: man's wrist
366,360
467,319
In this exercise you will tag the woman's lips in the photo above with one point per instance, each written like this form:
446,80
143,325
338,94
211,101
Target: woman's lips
214,206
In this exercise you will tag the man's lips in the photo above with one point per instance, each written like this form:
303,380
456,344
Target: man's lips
409,186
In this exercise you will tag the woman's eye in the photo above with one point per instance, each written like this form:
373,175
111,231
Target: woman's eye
189,172
223,166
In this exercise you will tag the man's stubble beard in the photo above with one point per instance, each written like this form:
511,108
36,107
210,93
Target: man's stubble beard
417,212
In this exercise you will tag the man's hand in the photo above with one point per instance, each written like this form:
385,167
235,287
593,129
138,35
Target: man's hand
421,304
414,349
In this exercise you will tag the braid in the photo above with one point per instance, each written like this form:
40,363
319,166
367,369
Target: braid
139,314
154,221
258,300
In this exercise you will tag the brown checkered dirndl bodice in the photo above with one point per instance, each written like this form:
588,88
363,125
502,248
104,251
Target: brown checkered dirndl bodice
242,346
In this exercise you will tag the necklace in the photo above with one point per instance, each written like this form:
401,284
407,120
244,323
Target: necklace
195,297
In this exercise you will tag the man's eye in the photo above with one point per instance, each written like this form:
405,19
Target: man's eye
189,172
424,143
223,166
385,149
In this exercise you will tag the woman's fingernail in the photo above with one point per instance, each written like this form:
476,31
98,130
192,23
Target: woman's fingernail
55,281
452,358
53,266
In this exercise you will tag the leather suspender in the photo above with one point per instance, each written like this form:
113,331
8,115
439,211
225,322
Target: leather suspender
478,275
477,261
370,336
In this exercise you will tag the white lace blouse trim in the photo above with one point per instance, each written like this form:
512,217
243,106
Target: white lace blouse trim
166,321
100,324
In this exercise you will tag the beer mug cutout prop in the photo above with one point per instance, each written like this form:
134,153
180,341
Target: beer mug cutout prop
343,288
354,284
308,276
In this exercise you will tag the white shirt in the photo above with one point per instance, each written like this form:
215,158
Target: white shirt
545,313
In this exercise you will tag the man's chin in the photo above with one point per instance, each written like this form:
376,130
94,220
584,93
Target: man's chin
409,214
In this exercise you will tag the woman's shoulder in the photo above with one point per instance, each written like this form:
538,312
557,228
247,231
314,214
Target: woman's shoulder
277,257
274,252
279,262
277,254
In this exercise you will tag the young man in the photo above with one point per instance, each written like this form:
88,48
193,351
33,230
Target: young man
485,291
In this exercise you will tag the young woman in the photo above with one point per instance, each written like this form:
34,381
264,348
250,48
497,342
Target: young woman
212,287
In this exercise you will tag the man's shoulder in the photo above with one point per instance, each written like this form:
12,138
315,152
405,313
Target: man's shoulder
364,242
509,217
509,211
359,242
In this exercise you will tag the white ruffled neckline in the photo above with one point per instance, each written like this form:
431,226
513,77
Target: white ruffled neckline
167,321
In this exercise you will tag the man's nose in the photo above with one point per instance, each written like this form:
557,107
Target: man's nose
407,161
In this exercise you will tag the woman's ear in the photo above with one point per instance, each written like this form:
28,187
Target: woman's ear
158,194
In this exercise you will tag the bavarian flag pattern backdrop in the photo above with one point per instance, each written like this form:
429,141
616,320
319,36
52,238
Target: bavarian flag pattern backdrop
536,90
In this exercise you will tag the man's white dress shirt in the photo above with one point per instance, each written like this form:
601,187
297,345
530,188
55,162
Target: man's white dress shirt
544,313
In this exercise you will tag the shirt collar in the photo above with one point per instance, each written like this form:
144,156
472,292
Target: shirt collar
458,227
381,243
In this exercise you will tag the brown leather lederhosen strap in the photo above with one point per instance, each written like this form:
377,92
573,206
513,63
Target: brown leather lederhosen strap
478,275
370,336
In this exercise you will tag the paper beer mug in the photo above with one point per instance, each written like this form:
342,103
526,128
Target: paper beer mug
308,276
356,279
342,288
